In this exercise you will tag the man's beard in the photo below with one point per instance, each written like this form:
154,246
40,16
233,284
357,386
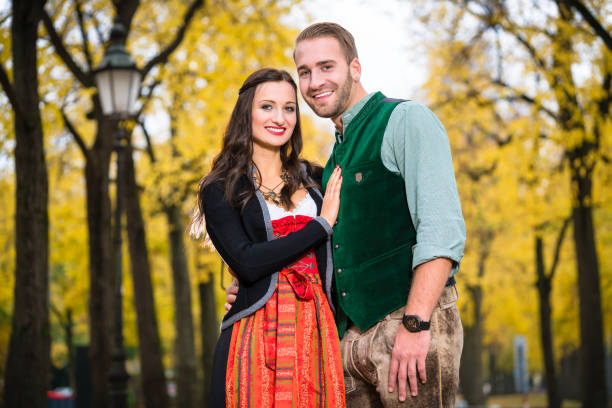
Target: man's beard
343,94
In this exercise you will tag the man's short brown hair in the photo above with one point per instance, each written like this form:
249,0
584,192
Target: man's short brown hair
333,30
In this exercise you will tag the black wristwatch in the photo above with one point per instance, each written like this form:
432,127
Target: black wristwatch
414,323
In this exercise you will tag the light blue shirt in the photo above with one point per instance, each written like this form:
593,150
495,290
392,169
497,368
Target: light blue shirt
416,147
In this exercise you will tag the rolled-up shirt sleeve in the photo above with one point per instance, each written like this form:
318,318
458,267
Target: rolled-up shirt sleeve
415,145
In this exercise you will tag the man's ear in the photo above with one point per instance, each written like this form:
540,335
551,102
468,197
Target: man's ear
355,69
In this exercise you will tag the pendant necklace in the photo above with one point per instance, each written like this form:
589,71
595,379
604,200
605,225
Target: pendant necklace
271,195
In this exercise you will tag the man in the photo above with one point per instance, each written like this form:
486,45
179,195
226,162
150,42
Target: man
400,232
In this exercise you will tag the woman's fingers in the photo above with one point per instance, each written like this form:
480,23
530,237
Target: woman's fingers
338,185
333,180
330,183
331,200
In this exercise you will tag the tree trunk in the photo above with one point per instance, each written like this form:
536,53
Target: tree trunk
71,350
101,272
152,369
544,286
209,327
581,160
28,362
471,369
186,374
594,393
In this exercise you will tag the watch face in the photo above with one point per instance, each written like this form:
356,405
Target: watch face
412,323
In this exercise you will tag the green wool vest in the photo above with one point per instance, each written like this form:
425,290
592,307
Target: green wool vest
374,235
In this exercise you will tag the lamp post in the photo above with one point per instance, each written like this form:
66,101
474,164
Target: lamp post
118,82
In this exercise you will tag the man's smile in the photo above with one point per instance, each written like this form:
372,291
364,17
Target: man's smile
322,95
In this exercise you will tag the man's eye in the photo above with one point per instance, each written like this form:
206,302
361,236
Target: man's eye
327,67
303,74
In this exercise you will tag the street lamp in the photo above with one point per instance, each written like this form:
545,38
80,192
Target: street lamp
118,82
117,77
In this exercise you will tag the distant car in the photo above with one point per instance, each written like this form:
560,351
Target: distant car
62,397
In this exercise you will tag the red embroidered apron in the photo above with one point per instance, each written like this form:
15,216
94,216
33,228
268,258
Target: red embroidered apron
287,354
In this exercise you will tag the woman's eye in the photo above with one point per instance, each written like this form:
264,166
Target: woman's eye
290,109
266,107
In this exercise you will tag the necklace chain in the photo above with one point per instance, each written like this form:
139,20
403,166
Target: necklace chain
271,195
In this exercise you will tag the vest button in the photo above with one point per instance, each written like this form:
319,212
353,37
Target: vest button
339,270
336,246
343,294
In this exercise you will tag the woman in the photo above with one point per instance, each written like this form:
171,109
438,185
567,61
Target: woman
278,345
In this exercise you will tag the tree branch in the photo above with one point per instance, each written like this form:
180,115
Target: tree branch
165,53
495,136
9,90
58,314
79,12
558,245
125,11
600,31
524,97
61,50
476,173
147,97
148,139
96,27
511,29
531,49
75,134
5,17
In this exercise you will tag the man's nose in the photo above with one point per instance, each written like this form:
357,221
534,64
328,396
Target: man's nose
316,80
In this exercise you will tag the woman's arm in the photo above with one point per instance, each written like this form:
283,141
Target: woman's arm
250,260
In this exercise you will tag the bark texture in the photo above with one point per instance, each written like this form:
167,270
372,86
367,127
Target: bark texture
471,369
151,367
101,271
209,327
28,362
544,286
186,374
581,159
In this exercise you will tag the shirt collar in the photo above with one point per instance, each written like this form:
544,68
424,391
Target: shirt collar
350,114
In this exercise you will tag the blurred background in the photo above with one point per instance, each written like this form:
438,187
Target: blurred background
95,195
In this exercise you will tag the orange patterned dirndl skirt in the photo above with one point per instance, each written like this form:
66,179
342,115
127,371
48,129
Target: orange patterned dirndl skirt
287,354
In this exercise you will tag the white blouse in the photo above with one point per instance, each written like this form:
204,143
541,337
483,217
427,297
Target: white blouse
306,206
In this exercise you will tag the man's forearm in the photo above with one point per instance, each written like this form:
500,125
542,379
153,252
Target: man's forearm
427,285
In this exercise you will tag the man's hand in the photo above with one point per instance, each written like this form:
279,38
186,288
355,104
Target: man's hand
230,295
410,349
408,359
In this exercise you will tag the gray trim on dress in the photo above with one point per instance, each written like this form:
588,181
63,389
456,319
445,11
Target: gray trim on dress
273,278
329,266
329,263
325,225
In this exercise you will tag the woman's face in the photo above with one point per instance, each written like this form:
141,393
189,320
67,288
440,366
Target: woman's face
273,114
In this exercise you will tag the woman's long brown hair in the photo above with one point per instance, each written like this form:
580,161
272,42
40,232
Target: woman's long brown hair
236,157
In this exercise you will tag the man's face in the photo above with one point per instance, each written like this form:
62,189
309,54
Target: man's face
325,79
